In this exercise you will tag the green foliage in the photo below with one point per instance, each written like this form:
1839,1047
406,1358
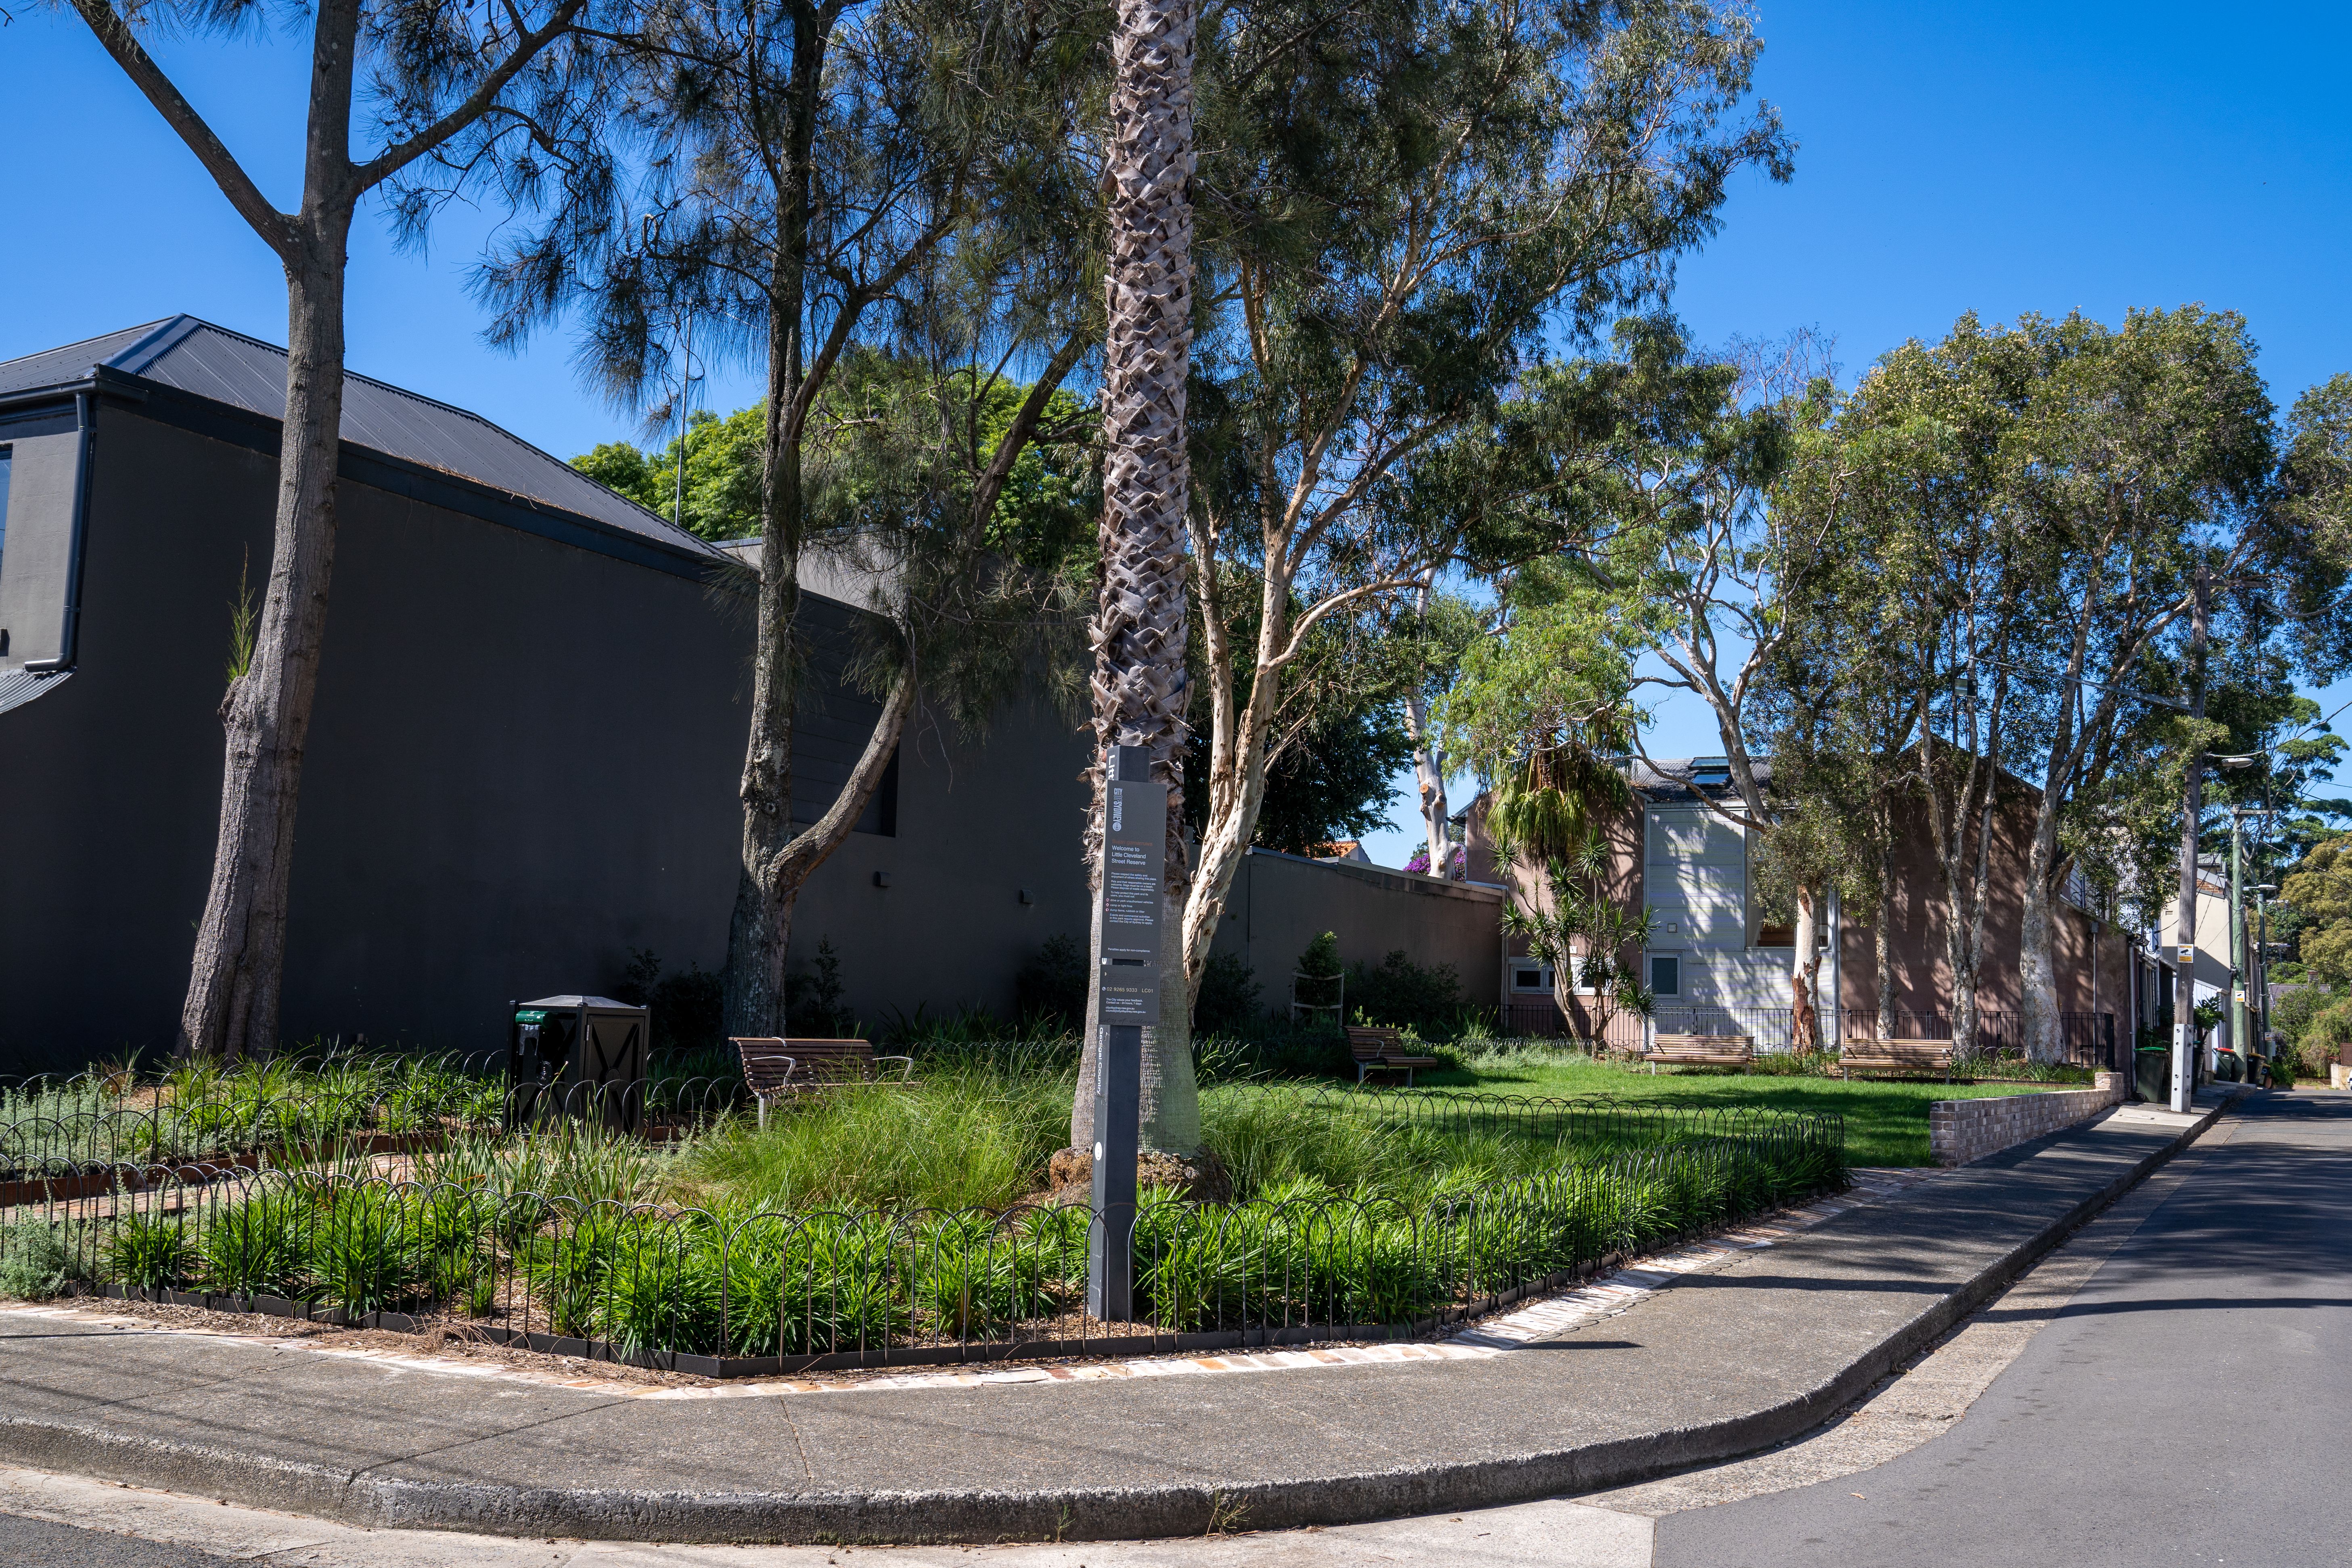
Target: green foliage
244,616
722,473
686,1008
813,997
257,1247
1321,959
38,1258
149,1249
1400,994
2319,890
1228,1001
1540,706
1334,780
2292,1014
2325,1034
967,1133
1052,984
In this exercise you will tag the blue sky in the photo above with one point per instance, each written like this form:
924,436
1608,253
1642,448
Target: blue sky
1995,157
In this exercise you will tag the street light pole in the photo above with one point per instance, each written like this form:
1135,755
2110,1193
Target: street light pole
2192,806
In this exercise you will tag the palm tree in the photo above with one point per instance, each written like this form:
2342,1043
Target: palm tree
1139,627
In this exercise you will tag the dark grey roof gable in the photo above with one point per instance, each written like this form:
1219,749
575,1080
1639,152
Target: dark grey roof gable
214,362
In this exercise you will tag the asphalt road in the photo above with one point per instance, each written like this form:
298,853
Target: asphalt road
35,1543
2190,1405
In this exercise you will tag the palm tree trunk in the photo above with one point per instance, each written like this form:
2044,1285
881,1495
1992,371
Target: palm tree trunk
1140,626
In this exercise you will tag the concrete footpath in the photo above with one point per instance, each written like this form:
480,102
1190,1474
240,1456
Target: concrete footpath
1719,1362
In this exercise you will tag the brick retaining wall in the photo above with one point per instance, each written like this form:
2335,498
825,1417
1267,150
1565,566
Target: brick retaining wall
1961,1131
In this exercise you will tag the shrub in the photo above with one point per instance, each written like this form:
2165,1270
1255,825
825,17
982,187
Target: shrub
1053,983
38,1259
687,1012
1321,981
1404,994
813,997
2325,1034
1228,1000
2296,1008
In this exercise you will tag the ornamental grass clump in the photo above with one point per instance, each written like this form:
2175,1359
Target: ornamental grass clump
153,1251
968,1133
258,1246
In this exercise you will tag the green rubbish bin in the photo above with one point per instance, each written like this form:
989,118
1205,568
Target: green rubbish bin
2152,1074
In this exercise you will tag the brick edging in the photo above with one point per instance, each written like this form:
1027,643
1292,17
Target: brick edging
1960,1132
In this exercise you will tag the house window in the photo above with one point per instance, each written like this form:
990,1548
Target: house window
1665,974
1531,976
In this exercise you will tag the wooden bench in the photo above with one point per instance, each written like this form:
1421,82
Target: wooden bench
1915,1056
1383,1050
1698,1051
780,1070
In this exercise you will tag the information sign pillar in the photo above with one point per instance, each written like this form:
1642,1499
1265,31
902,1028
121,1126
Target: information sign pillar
1128,909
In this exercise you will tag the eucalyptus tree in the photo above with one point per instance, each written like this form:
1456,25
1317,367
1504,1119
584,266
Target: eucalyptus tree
1437,629
1682,469
1906,475
1842,717
2136,478
1404,203
1141,625
439,85
815,183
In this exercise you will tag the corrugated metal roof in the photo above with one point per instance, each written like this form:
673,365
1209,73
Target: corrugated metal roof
211,362
18,686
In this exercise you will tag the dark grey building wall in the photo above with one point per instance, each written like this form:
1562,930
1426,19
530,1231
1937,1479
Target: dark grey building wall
522,765
1280,903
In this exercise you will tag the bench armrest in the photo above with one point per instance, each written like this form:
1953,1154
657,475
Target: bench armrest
907,1074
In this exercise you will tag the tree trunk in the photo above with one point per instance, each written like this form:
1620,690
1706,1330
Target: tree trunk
1429,773
1804,1015
759,934
239,963
1881,943
2037,966
240,954
1141,622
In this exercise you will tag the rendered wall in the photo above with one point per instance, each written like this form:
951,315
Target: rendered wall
522,766
1280,903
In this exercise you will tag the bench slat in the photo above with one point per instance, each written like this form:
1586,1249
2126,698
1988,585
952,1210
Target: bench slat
1895,1055
775,1067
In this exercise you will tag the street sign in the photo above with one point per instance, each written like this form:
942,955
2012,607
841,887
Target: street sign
1128,912
2187,957
1134,875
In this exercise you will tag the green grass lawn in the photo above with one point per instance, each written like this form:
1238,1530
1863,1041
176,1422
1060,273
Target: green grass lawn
1885,1122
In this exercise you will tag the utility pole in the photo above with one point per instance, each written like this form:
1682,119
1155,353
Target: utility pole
2239,1036
2262,891
2184,973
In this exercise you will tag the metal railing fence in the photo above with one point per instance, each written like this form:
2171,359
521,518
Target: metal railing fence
739,1293
2087,1039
